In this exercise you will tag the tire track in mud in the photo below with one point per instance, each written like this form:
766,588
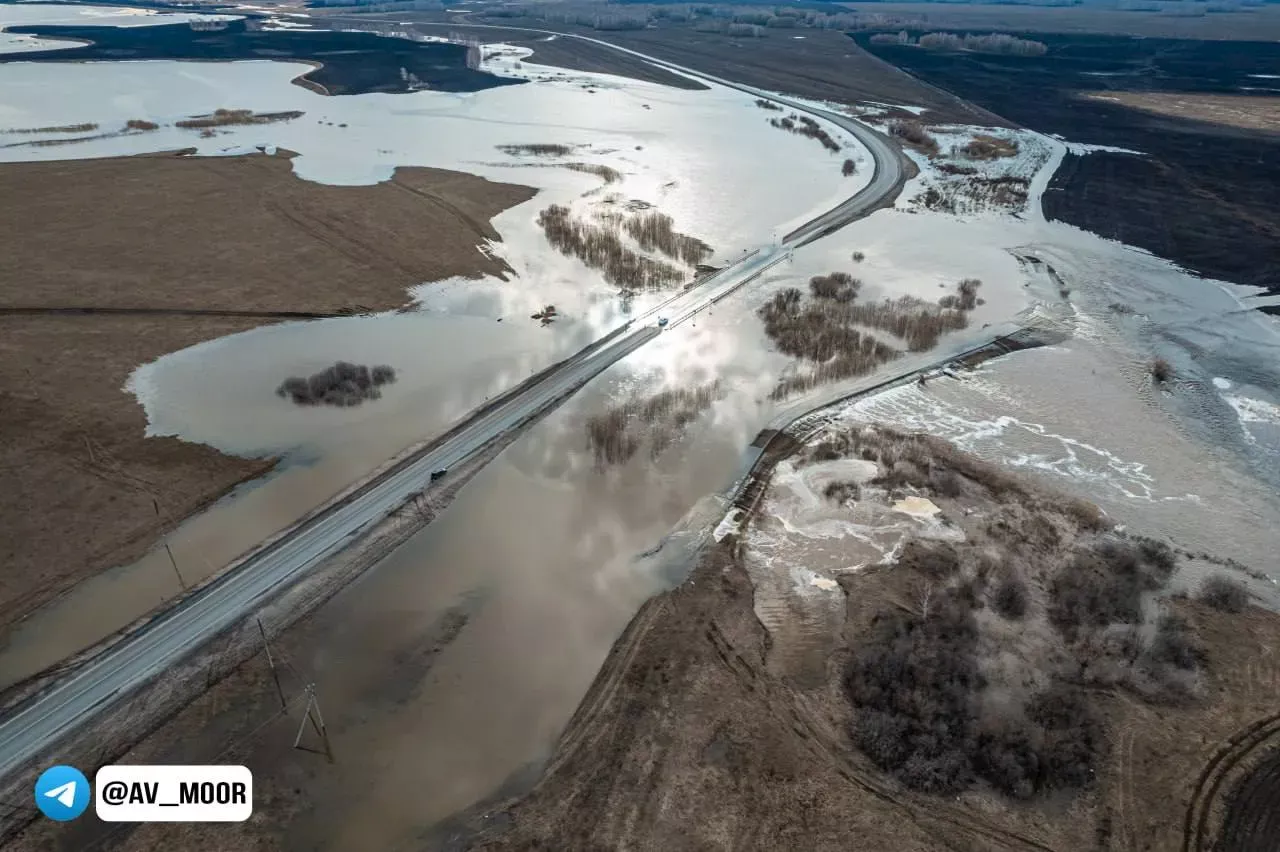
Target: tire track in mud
585,726
1252,819
1229,755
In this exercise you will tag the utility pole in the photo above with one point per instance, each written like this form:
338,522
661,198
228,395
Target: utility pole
165,541
317,722
275,675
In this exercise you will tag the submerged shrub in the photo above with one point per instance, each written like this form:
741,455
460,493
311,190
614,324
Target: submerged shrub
343,385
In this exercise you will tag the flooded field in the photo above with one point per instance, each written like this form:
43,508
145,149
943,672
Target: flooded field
13,15
451,668
465,340
1192,462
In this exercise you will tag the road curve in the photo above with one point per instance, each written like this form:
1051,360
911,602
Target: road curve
37,724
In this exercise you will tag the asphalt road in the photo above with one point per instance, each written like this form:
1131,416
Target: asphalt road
36,725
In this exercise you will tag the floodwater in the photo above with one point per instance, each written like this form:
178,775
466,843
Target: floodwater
1195,463
548,555
451,353
27,14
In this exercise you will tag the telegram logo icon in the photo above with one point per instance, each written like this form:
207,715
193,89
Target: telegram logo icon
62,793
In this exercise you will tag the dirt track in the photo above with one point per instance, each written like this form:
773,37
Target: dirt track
246,244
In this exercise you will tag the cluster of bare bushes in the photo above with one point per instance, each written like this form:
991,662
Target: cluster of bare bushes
750,21
822,333
988,671
65,128
902,38
618,434
653,230
609,175
806,126
966,296
537,149
913,133
976,193
140,124
830,330
51,143
849,167
838,287
913,320
341,385
1179,9
769,105
225,117
1001,43
600,247
983,146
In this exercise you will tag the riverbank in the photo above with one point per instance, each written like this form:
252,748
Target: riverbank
712,725
90,490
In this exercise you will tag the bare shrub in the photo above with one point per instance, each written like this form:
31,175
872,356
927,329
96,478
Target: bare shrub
820,334
838,287
913,133
1104,585
65,128
653,230
224,117
806,126
140,124
841,491
1175,645
915,321
537,149
609,175
966,296
769,105
986,147
619,433
1011,598
1161,370
1225,594
945,483
1001,43
858,257
619,23
901,38
954,169
937,560
912,682
848,168
343,385
1073,736
600,248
